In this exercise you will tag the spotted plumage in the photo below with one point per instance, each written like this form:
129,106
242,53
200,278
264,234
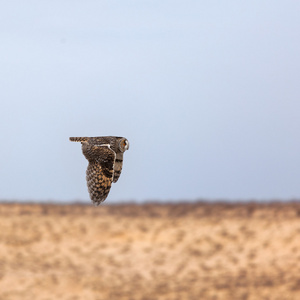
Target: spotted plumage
105,157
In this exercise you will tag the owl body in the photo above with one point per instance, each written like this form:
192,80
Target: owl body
105,157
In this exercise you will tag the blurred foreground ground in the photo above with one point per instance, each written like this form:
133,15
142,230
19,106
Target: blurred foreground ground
151,251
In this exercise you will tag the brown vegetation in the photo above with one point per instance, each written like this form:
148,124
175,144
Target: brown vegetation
151,251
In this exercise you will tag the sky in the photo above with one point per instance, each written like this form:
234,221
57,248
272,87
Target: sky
206,92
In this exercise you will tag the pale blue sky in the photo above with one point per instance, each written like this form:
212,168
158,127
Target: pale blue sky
207,93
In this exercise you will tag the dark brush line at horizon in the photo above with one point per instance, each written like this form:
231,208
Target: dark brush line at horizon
153,201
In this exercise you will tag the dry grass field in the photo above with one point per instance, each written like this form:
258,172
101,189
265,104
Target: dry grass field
151,251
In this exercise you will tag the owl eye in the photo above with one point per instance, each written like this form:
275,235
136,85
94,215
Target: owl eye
124,145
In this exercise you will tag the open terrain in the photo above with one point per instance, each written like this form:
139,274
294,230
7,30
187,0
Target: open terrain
151,251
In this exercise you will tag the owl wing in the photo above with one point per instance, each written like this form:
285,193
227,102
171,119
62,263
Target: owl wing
118,166
78,139
99,173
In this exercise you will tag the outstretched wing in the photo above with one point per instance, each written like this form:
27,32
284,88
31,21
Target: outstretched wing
78,139
100,172
118,166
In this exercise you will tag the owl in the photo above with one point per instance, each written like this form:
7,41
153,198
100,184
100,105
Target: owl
105,157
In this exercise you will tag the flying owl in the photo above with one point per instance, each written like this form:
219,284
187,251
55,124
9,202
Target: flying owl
105,157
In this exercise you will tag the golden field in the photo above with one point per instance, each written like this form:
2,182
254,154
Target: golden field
150,251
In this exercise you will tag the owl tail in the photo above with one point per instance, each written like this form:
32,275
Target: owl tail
78,139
